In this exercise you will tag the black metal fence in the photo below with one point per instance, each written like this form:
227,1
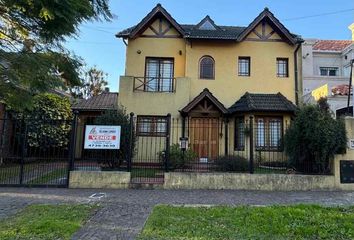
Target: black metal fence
41,152
34,152
253,145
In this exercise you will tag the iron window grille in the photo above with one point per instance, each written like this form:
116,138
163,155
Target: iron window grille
328,71
207,68
152,126
239,134
244,66
159,75
269,132
282,67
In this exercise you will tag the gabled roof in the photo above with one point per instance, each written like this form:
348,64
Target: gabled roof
331,45
206,24
132,32
204,94
274,22
199,31
104,101
252,102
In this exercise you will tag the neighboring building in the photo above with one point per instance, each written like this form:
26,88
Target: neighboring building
211,78
327,62
88,110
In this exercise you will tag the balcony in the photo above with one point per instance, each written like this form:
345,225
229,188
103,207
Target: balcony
154,84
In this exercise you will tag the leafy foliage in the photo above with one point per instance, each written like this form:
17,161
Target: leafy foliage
313,138
178,158
94,84
49,122
32,57
232,164
121,118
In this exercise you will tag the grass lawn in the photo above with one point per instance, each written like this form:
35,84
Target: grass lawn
45,222
247,222
50,176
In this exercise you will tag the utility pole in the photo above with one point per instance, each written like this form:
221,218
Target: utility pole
350,86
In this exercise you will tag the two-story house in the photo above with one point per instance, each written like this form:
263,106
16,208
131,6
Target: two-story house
212,79
326,70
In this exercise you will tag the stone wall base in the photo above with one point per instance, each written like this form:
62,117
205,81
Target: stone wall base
99,179
245,181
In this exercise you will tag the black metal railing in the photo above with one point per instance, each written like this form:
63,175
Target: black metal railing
155,84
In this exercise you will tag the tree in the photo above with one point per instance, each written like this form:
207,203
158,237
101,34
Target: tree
32,57
48,122
313,138
94,84
121,118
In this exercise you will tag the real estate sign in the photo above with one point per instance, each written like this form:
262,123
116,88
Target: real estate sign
102,137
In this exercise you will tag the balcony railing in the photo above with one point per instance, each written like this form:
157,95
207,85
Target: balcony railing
155,84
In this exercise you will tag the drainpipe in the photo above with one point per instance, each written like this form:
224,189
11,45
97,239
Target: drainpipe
350,86
296,74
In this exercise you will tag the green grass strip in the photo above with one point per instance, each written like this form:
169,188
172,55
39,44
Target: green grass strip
44,222
246,222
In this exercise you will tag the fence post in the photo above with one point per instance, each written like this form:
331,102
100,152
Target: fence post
168,136
131,132
24,142
72,147
251,167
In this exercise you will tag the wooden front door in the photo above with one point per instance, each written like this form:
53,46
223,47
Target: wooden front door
204,134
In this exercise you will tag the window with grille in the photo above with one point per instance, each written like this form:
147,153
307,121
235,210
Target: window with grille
239,134
159,74
328,71
207,68
244,66
282,67
268,133
152,126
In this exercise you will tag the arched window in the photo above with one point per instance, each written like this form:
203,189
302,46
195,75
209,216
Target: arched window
207,68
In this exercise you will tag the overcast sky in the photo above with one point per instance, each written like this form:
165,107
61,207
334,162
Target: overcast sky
97,45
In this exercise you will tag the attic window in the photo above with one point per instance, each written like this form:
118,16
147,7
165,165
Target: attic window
207,25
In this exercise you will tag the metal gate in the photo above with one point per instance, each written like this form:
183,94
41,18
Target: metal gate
150,154
34,152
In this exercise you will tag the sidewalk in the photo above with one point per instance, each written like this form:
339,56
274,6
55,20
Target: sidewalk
124,212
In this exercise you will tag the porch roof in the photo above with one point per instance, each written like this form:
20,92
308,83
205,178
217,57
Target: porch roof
104,101
252,102
204,94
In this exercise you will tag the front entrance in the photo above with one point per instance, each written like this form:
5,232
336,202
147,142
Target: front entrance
204,134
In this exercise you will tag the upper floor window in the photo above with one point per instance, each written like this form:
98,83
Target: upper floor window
282,67
159,75
244,66
328,71
206,68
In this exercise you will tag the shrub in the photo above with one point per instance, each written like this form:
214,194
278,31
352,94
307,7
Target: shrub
178,158
314,137
48,122
121,118
232,164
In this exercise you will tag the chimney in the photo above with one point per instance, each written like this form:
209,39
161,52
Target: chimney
351,28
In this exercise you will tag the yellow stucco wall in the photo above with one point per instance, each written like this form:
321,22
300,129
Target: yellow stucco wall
227,86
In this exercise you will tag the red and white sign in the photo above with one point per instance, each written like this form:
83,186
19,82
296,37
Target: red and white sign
102,137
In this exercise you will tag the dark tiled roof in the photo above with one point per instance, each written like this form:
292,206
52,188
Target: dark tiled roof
223,32
331,45
204,94
192,31
103,101
251,102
